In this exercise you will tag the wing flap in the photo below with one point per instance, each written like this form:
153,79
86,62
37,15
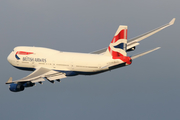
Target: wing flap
38,80
55,76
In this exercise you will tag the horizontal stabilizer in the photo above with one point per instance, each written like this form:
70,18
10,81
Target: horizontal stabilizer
139,55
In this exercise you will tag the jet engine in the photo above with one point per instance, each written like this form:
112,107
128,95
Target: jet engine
20,86
16,87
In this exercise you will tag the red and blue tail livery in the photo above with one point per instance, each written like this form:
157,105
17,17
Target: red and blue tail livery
53,65
118,46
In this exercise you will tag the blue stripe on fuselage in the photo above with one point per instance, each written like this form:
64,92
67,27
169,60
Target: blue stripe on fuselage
17,57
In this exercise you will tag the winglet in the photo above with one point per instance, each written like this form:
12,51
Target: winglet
172,21
9,81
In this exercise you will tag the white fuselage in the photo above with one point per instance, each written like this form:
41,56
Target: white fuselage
30,58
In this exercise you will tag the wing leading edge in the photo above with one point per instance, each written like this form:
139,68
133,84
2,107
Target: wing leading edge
135,41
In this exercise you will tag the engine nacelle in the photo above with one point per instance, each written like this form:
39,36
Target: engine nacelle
131,49
16,87
28,84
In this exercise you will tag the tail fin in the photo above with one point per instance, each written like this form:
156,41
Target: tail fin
118,44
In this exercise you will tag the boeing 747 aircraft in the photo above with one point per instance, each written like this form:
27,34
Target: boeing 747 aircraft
54,65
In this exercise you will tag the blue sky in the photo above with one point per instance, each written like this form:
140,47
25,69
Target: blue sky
147,89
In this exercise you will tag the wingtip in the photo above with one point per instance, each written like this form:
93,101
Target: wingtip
157,48
9,81
172,21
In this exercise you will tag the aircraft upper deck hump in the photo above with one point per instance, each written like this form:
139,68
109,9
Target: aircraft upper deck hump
35,49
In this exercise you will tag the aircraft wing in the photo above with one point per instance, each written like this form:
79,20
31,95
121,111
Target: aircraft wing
135,41
38,75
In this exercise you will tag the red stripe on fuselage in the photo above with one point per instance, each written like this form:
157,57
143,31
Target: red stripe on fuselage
23,53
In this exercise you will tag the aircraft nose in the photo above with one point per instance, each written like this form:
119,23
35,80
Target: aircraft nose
9,58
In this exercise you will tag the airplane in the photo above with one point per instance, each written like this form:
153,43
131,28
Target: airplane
53,65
